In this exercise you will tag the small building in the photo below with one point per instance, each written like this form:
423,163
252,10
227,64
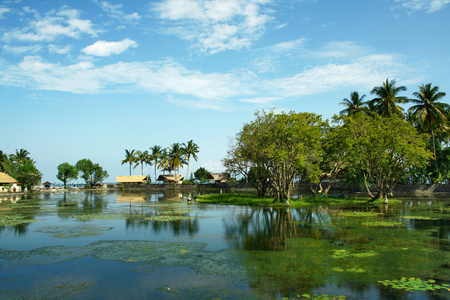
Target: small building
132,179
171,178
219,177
7,183
47,185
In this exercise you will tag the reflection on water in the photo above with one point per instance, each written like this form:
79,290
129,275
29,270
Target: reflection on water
232,252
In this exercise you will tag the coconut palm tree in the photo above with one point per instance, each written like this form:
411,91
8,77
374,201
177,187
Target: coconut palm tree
386,102
176,157
155,156
190,149
163,164
354,104
141,158
5,163
130,157
20,157
429,112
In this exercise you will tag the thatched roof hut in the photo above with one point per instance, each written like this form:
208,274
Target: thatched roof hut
6,179
171,178
132,179
219,177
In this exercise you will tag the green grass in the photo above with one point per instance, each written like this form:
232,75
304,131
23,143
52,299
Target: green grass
254,200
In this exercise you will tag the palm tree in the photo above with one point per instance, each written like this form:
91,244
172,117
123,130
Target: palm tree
155,156
176,157
354,105
164,161
4,162
387,99
428,112
190,149
130,157
141,158
20,157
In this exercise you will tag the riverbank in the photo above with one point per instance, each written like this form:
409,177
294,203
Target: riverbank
254,200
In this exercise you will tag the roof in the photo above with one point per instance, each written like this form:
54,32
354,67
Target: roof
47,183
170,178
131,179
5,178
219,177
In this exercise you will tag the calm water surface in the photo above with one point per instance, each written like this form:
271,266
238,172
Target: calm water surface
114,245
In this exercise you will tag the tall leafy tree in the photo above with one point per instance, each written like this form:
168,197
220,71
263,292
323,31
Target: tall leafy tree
190,149
130,157
429,112
67,172
381,150
387,99
86,167
354,105
27,174
201,174
287,144
98,174
155,155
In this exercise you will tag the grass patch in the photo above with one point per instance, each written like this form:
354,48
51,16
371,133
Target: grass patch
254,200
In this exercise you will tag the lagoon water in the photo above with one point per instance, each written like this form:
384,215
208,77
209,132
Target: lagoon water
118,245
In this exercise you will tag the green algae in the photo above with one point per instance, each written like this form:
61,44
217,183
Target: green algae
13,220
415,284
382,223
359,214
73,231
54,287
419,218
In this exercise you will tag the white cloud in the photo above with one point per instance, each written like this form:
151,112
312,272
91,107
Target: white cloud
158,77
104,48
428,5
19,50
215,25
3,11
364,73
58,49
62,23
115,11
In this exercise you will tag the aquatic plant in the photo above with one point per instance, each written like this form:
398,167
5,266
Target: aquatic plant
359,214
419,218
382,223
415,284
14,220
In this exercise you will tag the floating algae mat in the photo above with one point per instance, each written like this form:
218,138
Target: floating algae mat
96,246
73,230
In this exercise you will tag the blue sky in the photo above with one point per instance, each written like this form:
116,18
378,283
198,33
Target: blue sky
89,79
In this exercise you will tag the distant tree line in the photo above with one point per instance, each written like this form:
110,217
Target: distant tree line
21,167
168,159
374,144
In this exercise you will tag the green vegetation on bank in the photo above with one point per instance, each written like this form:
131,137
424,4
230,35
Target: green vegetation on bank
255,200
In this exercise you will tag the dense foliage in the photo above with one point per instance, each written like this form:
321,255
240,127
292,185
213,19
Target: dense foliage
372,143
21,167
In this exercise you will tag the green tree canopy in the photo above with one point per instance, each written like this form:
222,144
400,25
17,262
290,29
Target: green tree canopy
382,150
286,144
86,168
27,174
67,172
387,99
201,174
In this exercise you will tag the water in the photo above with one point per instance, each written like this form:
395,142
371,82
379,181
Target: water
114,245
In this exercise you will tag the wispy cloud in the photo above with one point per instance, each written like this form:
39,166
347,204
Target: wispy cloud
115,11
4,11
104,48
363,73
20,50
61,23
214,25
428,5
